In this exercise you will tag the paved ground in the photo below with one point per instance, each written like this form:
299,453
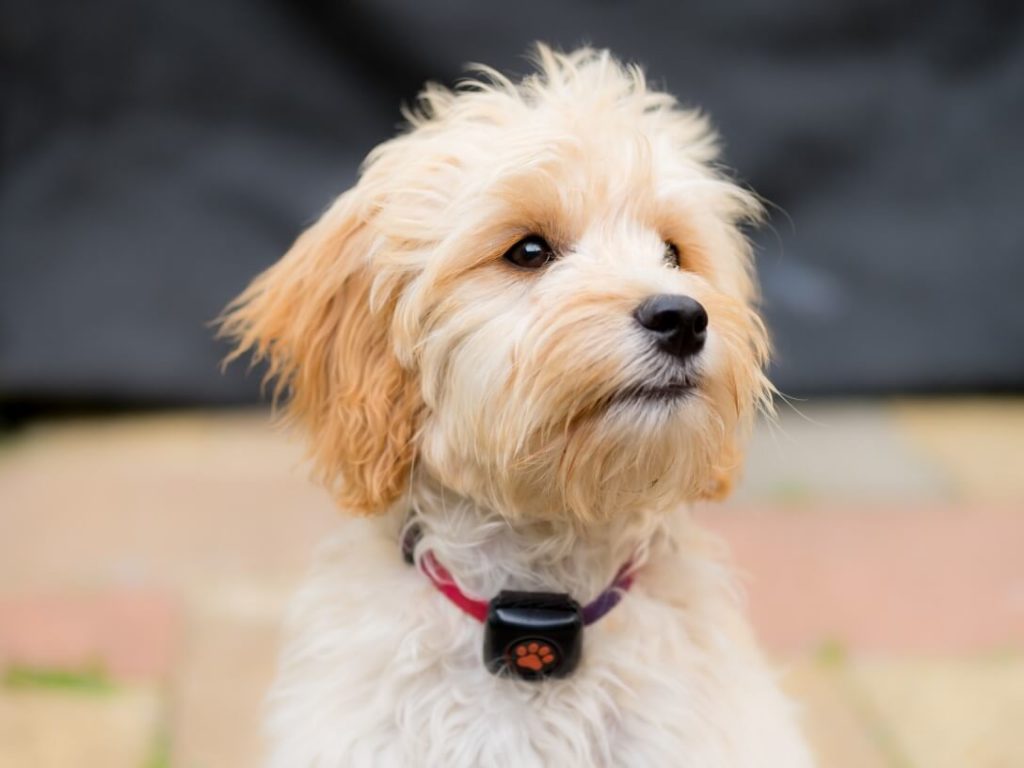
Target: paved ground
144,564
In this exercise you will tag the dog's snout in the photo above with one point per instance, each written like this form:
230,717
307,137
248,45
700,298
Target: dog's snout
678,323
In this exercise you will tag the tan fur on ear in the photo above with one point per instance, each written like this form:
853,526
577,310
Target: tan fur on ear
725,472
328,348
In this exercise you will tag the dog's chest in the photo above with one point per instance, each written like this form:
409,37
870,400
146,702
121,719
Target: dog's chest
388,672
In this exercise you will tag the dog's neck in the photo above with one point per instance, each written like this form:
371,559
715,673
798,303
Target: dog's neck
486,553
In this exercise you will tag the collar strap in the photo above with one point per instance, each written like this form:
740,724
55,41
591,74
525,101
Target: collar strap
479,609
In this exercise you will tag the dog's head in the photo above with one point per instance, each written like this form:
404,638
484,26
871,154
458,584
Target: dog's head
538,295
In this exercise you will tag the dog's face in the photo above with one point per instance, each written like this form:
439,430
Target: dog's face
538,295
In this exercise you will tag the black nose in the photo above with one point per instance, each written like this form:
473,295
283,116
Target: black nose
678,323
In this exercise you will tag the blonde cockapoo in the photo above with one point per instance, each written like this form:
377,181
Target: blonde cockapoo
520,345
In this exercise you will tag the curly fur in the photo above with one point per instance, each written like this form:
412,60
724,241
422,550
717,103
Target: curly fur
439,384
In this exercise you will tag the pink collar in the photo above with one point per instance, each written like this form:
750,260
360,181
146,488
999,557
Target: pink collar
478,609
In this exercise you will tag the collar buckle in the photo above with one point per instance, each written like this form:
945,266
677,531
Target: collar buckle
529,635
533,635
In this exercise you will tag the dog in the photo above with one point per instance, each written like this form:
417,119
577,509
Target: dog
521,346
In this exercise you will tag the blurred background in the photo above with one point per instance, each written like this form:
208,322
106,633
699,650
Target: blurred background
156,155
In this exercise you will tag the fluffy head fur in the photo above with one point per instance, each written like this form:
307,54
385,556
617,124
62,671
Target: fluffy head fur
403,339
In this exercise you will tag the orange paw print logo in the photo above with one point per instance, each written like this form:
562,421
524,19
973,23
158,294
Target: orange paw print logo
534,656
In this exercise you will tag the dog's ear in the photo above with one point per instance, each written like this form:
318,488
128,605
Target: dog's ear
324,330
725,472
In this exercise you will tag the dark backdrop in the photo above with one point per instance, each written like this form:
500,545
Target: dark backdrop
158,153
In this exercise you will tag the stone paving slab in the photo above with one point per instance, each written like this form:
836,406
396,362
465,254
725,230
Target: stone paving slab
229,661
945,713
51,729
889,579
155,502
837,732
128,635
838,451
979,444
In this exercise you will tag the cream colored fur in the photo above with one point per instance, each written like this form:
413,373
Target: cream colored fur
438,383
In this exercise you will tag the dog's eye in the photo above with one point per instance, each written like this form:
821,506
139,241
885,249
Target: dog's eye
672,255
531,252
